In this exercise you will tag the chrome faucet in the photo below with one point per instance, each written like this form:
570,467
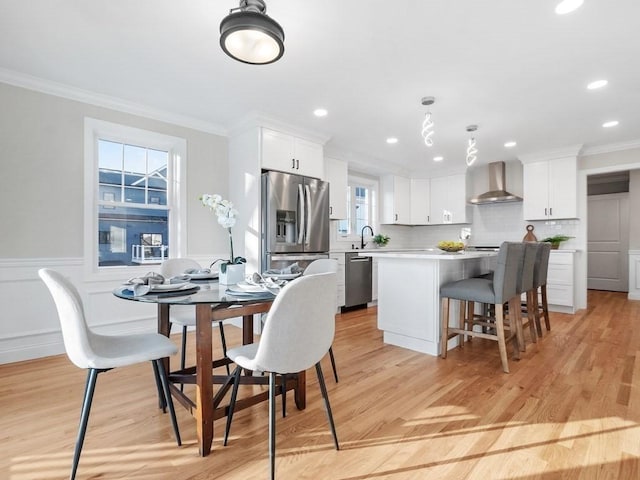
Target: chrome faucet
362,242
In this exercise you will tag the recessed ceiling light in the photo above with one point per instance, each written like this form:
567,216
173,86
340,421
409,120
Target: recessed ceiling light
510,144
597,84
392,140
438,159
612,123
568,6
320,112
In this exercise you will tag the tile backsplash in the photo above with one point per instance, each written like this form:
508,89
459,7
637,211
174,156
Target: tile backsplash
492,224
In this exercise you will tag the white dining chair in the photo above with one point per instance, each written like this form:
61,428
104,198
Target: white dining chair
99,353
298,332
325,265
185,315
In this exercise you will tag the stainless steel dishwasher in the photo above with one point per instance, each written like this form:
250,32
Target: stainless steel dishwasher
357,279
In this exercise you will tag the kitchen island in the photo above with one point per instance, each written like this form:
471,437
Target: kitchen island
409,292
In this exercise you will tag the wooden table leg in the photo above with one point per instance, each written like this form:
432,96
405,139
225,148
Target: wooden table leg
163,328
247,329
204,381
301,391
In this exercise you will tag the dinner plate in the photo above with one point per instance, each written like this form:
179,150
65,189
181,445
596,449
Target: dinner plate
201,276
171,287
282,276
244,287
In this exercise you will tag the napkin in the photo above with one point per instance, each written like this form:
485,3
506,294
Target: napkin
293,268
142,285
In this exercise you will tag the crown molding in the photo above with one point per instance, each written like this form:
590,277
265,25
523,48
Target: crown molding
257,119
612,147
546,155
49,87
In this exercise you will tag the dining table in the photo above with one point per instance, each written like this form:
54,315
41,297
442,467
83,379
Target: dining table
212,302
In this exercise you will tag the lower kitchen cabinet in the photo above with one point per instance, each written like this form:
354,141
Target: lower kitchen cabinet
561,281
340,277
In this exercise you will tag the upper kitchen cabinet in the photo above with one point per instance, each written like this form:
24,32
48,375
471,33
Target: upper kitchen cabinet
396,200
287,153
420,201
549,189
448,200
336,175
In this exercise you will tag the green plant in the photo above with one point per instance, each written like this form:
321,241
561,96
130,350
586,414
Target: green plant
556,239
381,240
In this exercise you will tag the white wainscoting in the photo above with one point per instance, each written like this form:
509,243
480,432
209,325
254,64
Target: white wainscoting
634,275
29,321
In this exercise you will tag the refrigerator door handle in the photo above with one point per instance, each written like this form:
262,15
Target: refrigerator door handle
308,209
301,214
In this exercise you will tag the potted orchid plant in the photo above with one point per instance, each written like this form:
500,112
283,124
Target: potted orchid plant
232,270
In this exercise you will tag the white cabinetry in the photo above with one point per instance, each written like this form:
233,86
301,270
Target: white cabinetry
336,175
560,282
420,201
286,153
396,200
340,258
448,200
550,189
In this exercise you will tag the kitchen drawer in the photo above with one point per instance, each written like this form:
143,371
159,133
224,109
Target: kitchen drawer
560,295
560,258
560,274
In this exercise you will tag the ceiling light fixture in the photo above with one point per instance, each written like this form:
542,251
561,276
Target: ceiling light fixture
427,124
438,159
612,123
510,144
597,84
471,146
568,6
248,35
392,140
320,112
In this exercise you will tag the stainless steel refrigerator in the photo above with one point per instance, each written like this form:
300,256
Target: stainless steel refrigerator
295,220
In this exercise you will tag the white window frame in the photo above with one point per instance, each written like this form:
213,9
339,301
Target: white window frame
373,185
176,191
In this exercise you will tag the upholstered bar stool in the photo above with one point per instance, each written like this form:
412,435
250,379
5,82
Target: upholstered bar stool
495,292
525,286
540,283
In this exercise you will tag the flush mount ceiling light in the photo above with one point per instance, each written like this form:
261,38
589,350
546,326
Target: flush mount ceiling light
438,158
471,146
320,112
597,84
248,35
612,123
427,124
510,144
568,6
392,140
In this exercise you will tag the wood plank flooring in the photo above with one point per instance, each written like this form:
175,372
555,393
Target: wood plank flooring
569,409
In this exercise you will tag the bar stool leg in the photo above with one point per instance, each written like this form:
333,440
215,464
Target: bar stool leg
501,341
444,327
531,316
462,322
545,307
515,321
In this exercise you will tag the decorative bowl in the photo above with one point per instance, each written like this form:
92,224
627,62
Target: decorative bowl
450,246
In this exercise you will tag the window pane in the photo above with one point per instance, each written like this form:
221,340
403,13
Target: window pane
135,159
132,236
110,156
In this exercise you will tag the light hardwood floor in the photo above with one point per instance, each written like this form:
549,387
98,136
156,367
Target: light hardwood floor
570,408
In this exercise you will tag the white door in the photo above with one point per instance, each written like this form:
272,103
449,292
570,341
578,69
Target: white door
608,242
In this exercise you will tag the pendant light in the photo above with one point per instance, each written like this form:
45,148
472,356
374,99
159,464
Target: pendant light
427,124
248,35
471,146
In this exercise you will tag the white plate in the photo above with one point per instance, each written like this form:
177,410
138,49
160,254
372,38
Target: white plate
201,276
282,276
171,287
244,287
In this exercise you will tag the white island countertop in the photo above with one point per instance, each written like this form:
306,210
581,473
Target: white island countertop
425,254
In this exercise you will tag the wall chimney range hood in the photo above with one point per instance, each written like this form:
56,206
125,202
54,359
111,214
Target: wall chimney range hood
497,192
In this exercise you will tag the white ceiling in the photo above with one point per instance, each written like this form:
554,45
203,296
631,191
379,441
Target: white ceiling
513,67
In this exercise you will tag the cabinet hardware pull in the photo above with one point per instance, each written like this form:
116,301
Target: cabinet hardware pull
297,164
550,211
396,217
545,212
293,163
330,210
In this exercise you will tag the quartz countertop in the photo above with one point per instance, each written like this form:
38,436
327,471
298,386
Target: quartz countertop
424,254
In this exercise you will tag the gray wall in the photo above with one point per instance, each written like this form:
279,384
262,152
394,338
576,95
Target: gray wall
42,175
